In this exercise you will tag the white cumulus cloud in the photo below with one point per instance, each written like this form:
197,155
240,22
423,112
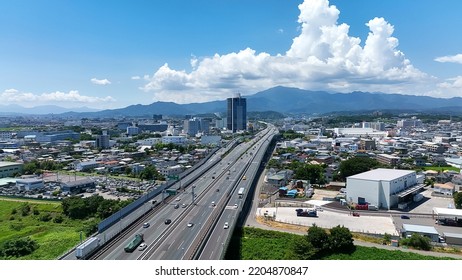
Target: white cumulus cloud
102,82
450,58
322,57
69,99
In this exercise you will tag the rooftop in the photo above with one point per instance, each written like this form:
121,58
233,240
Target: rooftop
7,163
419,228
382,174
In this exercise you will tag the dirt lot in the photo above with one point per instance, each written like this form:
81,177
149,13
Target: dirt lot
319,194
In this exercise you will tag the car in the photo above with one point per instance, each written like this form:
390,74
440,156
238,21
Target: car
190,224
176,206
235,205
168,221
183,205
178,199
226,225
405,217
218,190
142,246
213,203
355,214
146,225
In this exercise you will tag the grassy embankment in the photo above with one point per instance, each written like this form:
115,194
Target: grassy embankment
54,238
259,244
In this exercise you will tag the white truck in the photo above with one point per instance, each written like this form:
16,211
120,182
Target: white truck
86,248
240,192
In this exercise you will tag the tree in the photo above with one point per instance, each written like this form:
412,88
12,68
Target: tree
341,240
458,200
149,173
312,172
318,237
128,170
74,207
386,238
356,165
302,249
273,163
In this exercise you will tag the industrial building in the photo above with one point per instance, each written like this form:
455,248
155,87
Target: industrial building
384,188
10,169
427,231
79,186
29,184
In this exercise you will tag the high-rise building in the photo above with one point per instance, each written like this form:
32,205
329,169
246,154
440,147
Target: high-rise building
195,125
237,113
102,141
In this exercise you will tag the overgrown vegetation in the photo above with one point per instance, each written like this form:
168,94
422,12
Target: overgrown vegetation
37,230
417,241
258,244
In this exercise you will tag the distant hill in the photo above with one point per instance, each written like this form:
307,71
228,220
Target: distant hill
278,99
294,100
40,110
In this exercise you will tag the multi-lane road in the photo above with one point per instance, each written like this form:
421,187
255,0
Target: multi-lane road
197,229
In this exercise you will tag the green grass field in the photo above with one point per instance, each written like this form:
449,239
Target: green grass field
53,238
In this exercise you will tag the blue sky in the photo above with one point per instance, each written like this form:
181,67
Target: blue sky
111,54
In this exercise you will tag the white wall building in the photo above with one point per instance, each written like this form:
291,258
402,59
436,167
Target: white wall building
149,141
180,140
29,184
380,187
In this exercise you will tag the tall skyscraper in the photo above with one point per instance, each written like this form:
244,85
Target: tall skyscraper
237,113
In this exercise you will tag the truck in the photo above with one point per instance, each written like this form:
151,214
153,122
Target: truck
135,242
306,212
240,192
88,247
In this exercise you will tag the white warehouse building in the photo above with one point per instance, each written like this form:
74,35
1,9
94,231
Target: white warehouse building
384,188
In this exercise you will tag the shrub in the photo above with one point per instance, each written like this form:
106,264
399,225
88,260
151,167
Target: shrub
418,242
46,217
58,219
18,247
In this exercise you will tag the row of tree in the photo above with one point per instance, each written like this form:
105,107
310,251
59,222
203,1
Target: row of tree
315,172
76,207
318,243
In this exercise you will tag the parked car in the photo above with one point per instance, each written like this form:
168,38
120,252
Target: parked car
226,225
356,214
405,217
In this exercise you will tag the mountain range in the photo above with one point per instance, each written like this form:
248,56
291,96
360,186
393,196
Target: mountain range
280,99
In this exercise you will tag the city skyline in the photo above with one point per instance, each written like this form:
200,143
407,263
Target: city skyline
75,54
